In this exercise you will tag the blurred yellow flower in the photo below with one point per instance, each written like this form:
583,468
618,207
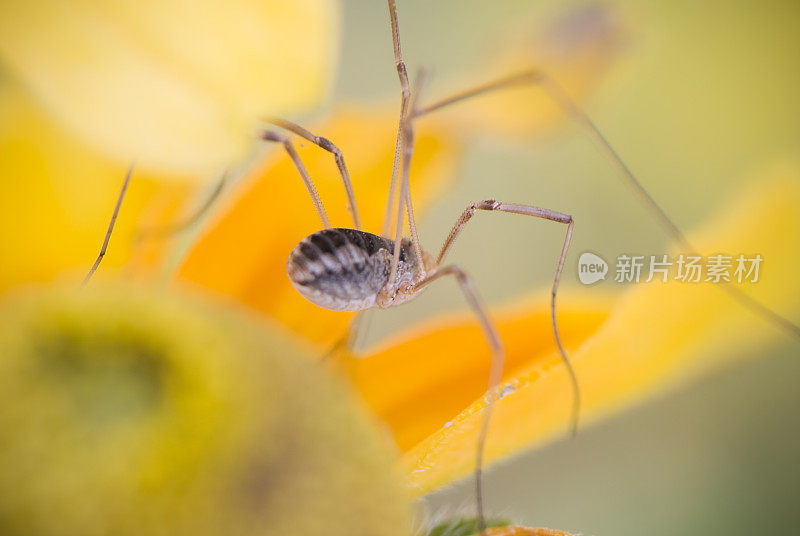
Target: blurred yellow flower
129,411
87,87
177,86
58,195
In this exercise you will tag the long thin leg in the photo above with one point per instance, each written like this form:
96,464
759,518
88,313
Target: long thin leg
408,151
536,77
547,214
405,191
329,146
114,215
398,148
405,95
268,135
406,147
387,219
495,372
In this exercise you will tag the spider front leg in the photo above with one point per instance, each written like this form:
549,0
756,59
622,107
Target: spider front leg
547,214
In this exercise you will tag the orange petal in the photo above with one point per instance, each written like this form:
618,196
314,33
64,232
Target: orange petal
419,383
655,336
243,252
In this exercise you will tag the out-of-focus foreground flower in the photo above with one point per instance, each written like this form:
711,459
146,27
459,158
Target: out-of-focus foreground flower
129,412
176,86
88,88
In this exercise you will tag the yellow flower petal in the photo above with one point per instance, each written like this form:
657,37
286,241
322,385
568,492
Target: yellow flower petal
244,250
175,85
655,336
58,195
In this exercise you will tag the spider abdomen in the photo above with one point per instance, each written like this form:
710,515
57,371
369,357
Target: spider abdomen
343,269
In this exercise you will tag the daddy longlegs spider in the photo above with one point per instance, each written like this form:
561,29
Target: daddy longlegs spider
348,269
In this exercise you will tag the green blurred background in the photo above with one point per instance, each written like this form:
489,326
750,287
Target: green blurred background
702,101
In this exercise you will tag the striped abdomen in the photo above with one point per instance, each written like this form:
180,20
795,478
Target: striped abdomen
344,269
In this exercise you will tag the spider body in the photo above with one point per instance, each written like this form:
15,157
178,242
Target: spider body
348,270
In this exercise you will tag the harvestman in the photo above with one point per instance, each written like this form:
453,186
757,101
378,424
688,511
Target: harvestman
347,269
352,270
